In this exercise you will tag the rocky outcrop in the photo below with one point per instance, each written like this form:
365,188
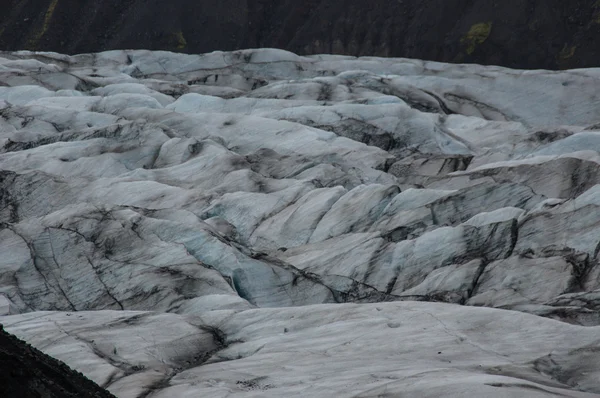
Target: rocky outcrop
552,34
27,372
218,224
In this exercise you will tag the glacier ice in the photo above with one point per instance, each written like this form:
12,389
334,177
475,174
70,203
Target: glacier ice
257,223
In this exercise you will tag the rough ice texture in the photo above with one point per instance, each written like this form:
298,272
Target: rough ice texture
258,223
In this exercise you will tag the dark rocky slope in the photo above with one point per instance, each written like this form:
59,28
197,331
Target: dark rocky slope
550,34
27,372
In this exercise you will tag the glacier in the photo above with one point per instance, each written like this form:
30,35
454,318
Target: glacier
261,224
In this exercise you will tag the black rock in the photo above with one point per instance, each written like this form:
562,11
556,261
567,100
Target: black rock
27,372
549,34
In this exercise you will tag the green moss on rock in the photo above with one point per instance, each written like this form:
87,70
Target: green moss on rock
477,35
180,41
38,33
567,52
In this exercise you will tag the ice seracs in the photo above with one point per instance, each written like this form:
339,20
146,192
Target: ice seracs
257,223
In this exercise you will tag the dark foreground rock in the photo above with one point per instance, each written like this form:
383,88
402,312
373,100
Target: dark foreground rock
550,34
27,372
